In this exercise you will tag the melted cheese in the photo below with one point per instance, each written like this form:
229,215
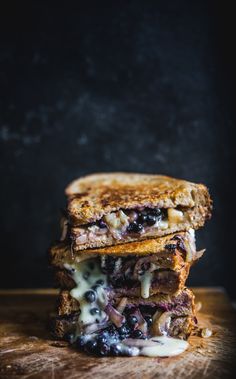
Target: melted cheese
156,346
145,281
85,274
162,224
175,216
165,347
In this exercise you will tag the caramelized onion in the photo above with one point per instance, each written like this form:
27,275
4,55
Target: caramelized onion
161,323
116,317
122,304
147,263
83,257
199,253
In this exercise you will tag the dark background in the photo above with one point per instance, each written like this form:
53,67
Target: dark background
145,86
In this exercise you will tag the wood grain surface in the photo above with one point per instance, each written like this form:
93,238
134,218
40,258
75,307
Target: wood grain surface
27,351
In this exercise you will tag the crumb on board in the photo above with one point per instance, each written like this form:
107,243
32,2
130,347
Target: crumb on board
206,332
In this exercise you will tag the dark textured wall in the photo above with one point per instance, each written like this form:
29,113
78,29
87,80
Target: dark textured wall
104,86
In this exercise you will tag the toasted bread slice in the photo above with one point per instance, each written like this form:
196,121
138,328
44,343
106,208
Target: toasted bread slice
168,248
179,327
182,302
146,267
94,195
115,198
178,309
164,281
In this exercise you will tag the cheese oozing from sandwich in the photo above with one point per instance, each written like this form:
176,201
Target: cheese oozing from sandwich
94,294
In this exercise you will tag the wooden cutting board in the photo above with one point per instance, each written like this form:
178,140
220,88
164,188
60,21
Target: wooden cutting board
27,351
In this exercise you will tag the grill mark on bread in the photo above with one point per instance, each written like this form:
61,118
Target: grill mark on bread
114,191
104,194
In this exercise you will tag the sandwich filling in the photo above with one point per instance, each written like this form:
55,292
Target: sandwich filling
125,224
109,323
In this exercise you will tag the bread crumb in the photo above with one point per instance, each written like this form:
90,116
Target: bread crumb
205,332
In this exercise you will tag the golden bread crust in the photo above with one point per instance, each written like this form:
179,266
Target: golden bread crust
182,324
92,196
62,252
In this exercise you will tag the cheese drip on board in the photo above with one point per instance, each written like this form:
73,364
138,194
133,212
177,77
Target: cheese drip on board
160,346
87,274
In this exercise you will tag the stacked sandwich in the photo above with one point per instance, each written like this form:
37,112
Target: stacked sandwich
125,252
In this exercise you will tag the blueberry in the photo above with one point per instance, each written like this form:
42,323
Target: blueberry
119,282
91,265
134,227
100,282
102,338
69,337
71,270
170,246
155,212
148,320
114,350
94,311
80,342
102,224
151,219
92,223
124,331
132,320
86,275
103,349
142,218
137,334
90,296
91,346
112,330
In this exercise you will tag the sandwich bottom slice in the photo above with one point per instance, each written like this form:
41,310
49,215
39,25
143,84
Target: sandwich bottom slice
160,314
128,324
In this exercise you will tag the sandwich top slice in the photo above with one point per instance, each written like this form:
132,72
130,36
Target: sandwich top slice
114,208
